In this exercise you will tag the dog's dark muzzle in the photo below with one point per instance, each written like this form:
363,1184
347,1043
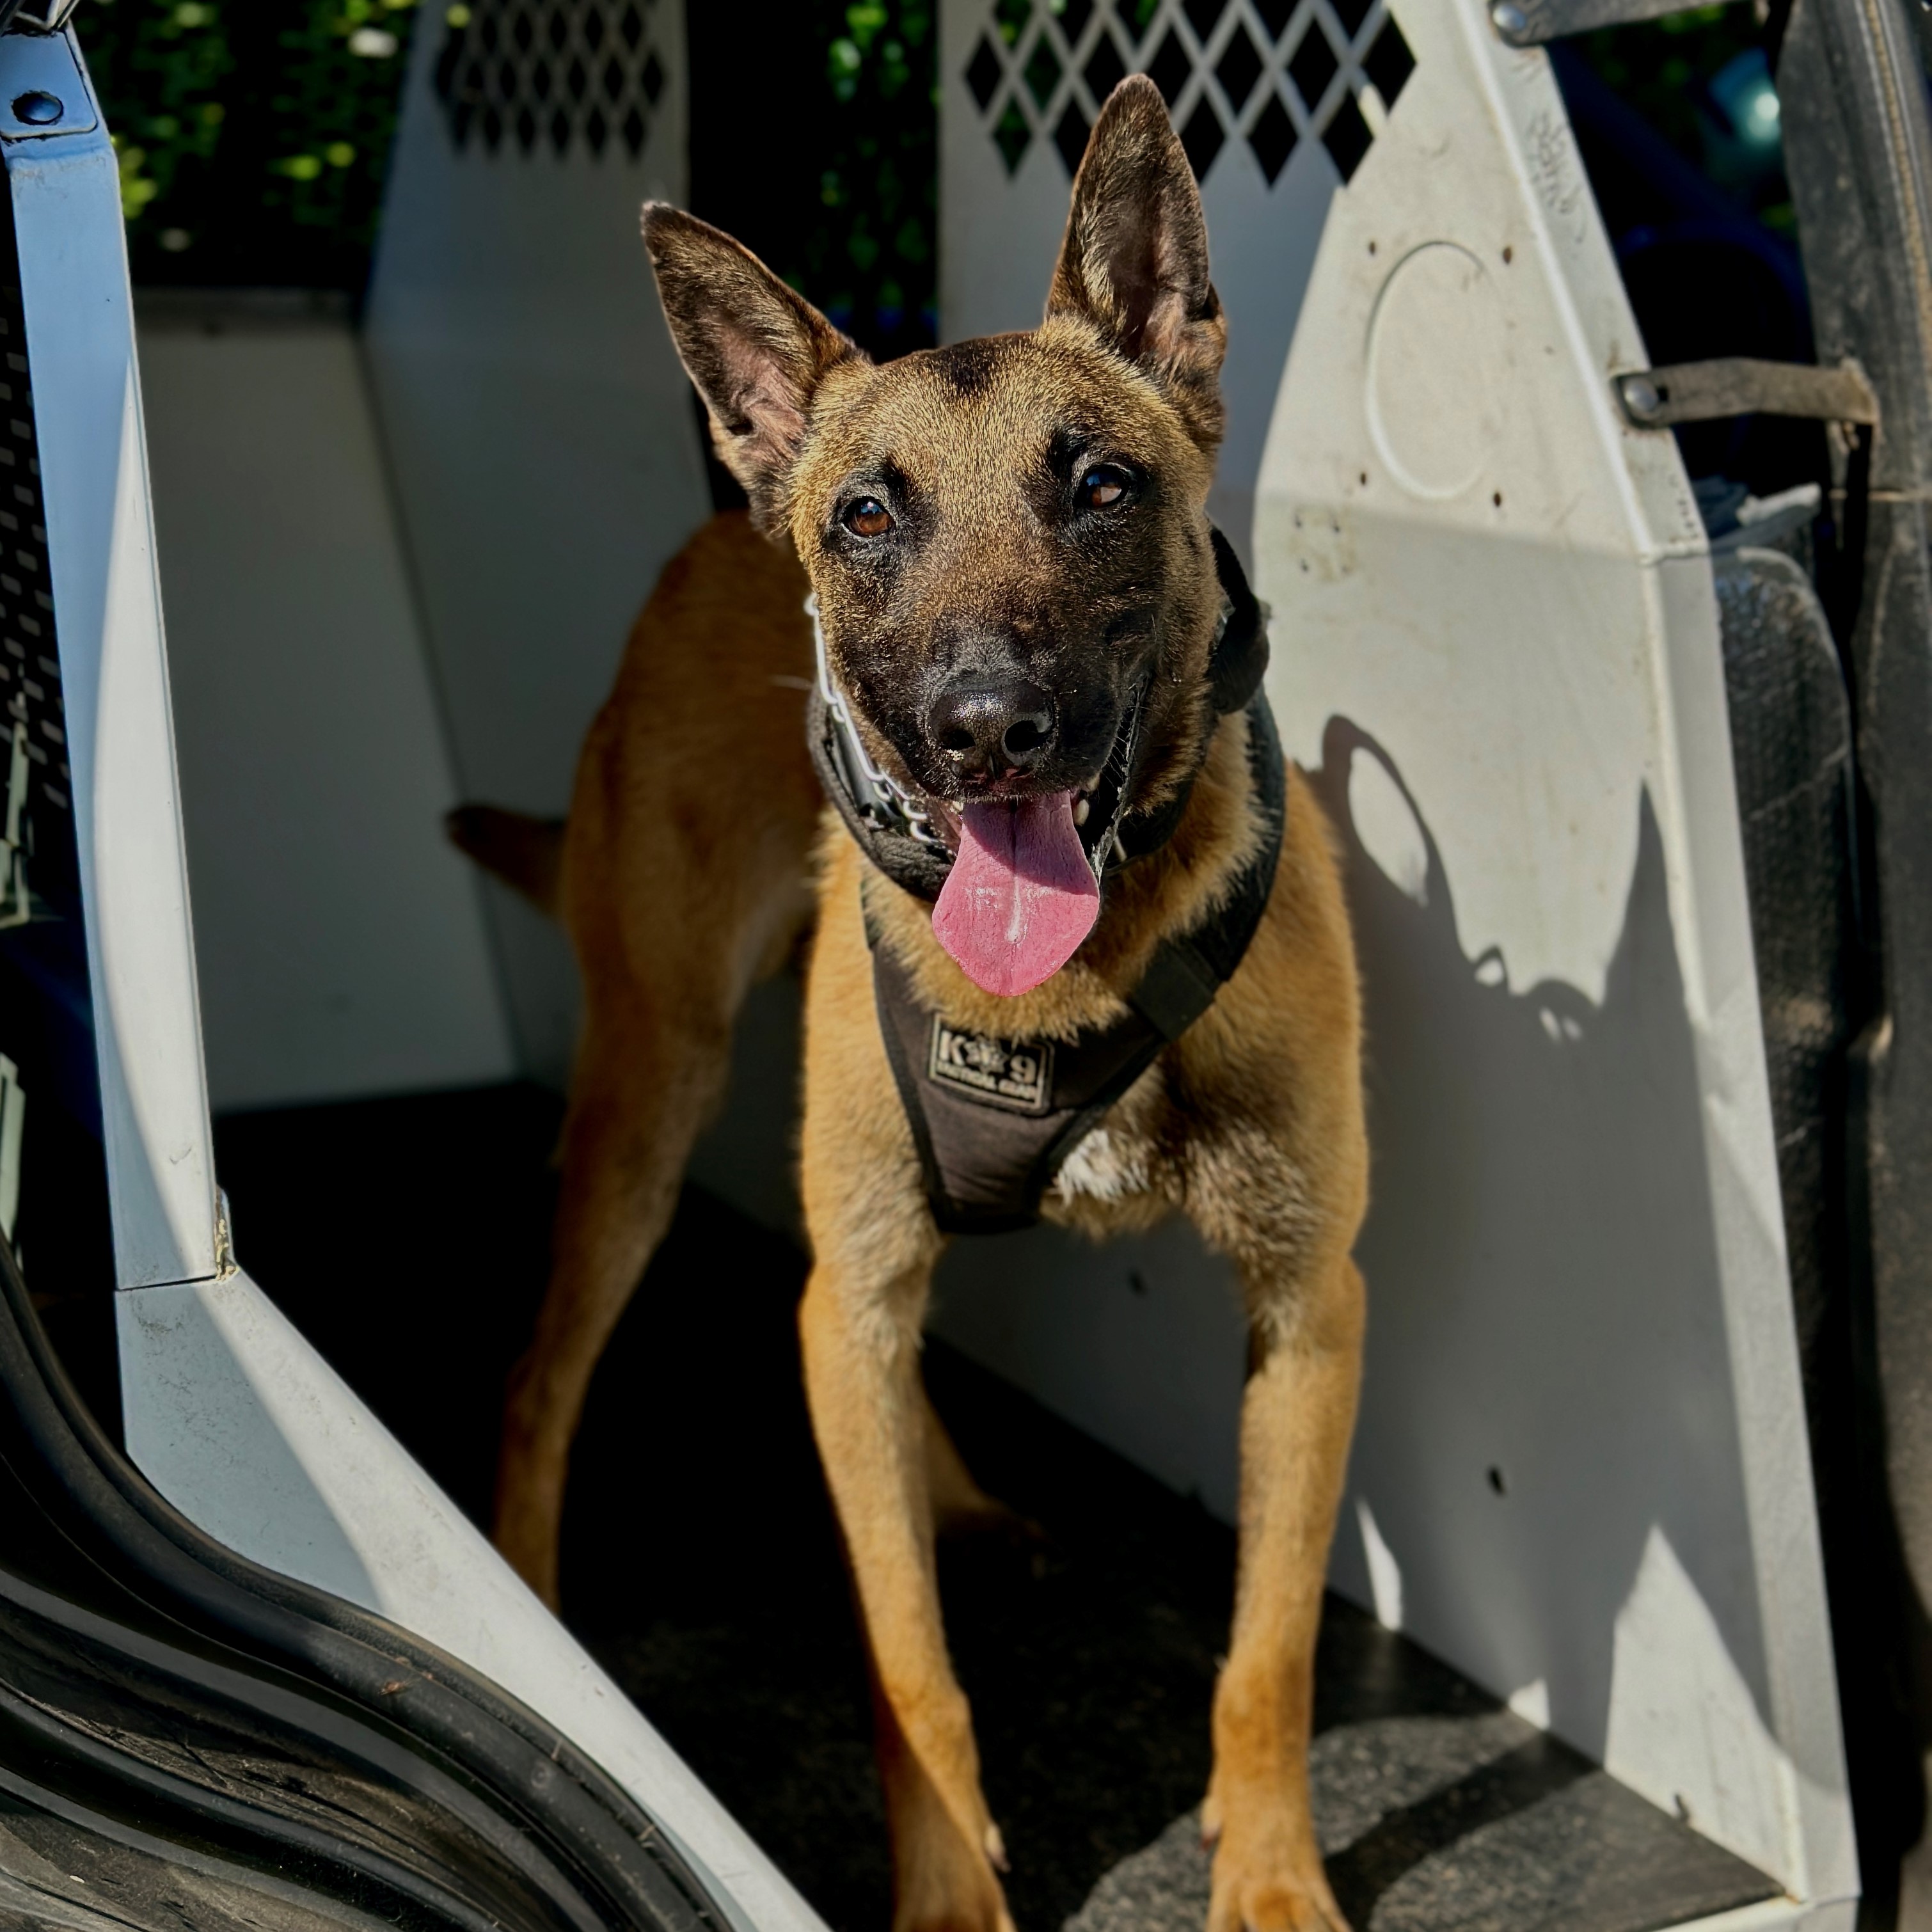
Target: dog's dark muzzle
986,729
904,828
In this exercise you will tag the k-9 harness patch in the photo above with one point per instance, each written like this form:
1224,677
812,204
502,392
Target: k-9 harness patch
1013,1073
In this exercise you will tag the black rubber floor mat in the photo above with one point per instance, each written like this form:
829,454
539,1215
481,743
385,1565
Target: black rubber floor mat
701,1565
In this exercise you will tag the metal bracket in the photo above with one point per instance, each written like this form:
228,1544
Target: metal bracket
45,92
1529,23
1737,385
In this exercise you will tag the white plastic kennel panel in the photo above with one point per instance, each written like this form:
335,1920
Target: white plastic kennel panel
1582,1471
1581,1474
340,936
543,445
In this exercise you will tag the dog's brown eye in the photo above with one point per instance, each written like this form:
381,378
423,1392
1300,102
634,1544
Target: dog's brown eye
869,518
1103,486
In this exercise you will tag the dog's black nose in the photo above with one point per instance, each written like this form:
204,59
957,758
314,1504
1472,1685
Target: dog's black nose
986,727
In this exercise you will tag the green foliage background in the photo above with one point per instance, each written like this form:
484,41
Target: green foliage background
866,254
253,134
1664,69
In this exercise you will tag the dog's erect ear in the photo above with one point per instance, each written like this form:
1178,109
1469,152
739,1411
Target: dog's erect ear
757,349
1134,259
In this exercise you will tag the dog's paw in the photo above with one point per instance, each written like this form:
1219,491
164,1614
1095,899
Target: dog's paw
1268,1875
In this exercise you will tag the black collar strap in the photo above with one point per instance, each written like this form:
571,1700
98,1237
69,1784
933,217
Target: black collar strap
892,826
995,1120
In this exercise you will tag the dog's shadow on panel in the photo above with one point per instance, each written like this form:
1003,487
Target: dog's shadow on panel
1547,1475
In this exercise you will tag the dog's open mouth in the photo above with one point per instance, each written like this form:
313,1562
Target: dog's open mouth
1023,890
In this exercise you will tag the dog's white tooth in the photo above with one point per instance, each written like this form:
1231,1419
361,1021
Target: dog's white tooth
1080,810
1120,851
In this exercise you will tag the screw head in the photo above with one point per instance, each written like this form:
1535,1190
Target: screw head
1508,18
1640,396
37,108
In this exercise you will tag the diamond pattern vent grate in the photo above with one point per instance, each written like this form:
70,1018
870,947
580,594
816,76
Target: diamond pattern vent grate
538,76
1268,74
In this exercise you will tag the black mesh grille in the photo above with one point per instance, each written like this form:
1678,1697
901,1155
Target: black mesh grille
1042,68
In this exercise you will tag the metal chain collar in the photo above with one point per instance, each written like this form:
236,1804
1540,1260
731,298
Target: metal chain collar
889,803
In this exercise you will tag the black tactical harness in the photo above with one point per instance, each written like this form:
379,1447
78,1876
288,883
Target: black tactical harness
994,1120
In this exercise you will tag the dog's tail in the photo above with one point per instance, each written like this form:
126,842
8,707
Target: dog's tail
525,853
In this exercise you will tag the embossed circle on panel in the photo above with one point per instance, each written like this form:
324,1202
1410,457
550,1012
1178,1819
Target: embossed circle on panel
1438,370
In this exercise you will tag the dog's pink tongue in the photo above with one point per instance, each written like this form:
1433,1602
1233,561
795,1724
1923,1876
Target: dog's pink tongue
1020,897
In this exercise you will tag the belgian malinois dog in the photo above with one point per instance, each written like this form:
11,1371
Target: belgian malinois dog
1021,622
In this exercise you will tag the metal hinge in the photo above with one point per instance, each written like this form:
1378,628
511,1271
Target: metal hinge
1738,386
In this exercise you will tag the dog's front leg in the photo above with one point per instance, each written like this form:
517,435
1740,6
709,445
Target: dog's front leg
1297,1417
874,1245
868,1413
